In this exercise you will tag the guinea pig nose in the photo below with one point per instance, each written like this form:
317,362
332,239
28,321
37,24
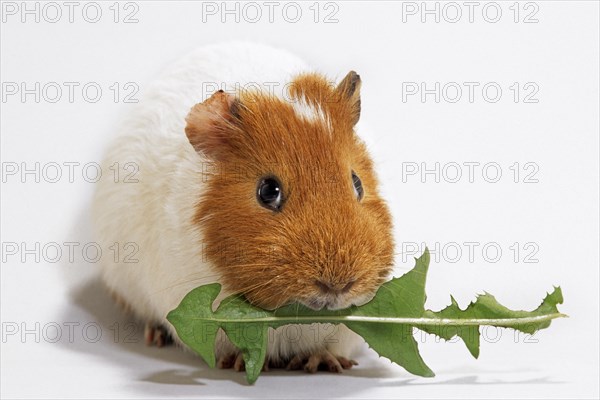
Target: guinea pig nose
327,287
348,286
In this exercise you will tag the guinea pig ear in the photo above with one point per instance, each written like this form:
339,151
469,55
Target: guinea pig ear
210,123
349,90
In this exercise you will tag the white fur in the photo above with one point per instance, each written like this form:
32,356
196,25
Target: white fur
157,212
311,112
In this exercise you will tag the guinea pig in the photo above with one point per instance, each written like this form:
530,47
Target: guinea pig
264,186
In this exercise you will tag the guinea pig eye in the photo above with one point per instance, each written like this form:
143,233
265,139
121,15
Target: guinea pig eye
269,193
358,188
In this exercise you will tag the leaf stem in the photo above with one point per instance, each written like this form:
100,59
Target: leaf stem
393,320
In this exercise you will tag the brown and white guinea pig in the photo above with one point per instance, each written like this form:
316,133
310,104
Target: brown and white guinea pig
268,191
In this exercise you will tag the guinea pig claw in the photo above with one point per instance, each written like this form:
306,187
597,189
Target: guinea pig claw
265,367
346,363
239,365
226,362
156,335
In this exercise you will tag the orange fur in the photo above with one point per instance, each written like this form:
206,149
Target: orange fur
323,233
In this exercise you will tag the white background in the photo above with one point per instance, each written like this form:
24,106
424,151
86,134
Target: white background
557,216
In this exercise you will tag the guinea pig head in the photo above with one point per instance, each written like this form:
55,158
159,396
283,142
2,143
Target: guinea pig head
291,210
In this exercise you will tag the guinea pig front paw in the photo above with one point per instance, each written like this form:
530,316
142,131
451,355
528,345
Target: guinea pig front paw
156,335
236,361
322,359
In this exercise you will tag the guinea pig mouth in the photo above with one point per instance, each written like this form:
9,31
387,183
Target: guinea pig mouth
335,302
317,304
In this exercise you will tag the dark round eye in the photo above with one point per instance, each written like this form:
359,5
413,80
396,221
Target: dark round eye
269,193
358,188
